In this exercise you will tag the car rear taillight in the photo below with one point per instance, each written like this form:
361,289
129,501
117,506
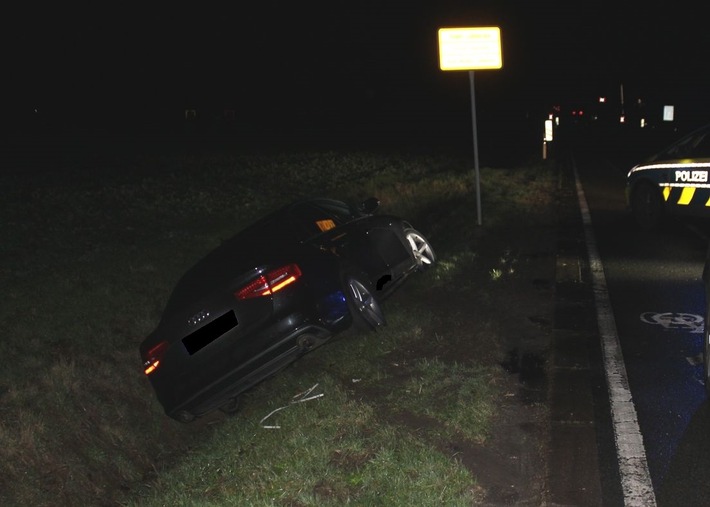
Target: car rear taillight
153,357
270,282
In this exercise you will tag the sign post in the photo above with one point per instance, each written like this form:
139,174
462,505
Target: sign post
471,49
475,148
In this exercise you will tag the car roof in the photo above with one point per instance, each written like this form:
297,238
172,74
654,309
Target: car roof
302,219
695,144
267,239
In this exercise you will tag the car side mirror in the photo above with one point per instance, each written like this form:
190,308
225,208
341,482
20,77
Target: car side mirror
369,205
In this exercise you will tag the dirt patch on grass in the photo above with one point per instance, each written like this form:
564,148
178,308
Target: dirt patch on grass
499,316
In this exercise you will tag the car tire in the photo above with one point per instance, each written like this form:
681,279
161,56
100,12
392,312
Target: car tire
364,307
647,206
706,350
307,342
184,416
421,249
230,407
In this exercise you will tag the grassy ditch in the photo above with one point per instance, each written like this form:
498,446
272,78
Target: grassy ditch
88,257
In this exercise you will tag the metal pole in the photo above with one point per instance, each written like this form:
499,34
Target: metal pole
475,148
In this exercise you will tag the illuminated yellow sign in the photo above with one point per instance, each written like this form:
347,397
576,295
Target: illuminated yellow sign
470,48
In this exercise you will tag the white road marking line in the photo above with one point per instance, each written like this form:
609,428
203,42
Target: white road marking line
631,454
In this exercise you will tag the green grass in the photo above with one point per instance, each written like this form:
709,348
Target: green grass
330,451
89,256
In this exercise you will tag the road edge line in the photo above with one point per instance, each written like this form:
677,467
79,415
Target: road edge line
636,484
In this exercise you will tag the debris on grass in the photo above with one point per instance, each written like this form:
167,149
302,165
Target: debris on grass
298,398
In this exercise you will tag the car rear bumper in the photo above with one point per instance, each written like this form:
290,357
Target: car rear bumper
288,349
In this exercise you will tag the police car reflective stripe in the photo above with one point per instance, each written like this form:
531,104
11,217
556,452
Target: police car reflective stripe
686,194
686,175
686,165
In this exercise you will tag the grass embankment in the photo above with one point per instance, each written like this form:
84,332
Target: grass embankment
88,258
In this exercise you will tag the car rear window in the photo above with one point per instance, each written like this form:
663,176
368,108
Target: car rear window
314,217
694,146
341,211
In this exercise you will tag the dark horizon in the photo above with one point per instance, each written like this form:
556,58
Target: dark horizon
337,67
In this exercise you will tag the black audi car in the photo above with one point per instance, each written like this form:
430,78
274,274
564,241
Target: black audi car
271,293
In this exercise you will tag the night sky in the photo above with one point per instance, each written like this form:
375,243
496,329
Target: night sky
286,65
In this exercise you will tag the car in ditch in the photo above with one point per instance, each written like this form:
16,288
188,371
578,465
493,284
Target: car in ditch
673,182
273,292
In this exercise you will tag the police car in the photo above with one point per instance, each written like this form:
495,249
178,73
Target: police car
672,182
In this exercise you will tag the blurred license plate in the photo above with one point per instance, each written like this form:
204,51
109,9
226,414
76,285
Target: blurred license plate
209,332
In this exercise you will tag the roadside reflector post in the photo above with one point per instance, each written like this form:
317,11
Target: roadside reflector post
548,137
471,49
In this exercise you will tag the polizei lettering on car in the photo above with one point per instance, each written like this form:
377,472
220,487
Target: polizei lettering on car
691,176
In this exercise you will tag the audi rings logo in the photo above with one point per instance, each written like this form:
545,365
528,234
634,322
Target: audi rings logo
689,322
198,317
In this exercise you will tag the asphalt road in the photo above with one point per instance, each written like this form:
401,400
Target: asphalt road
656,294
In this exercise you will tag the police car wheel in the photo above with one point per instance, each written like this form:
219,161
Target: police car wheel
647,206
706,352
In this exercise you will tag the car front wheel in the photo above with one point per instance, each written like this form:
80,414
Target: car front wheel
184,416
364,306
421,249
706,351
647,206
230,407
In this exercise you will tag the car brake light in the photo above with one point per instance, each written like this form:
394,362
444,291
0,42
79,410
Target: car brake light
153,357
270,282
